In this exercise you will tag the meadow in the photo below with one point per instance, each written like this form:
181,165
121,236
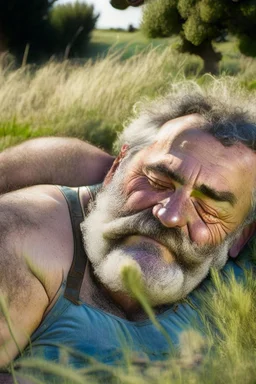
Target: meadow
93,99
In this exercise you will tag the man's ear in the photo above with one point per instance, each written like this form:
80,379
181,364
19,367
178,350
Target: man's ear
245,236
116,164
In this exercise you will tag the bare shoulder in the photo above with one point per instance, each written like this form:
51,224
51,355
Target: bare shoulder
36,249
35,224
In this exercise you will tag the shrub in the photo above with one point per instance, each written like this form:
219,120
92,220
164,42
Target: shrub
72,24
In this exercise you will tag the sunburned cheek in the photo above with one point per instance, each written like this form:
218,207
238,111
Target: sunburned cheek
135,183
140,194
210,234
140,200
216,234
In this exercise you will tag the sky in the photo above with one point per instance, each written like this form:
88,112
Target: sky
110,17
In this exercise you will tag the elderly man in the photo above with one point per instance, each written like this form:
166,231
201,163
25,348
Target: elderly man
179,197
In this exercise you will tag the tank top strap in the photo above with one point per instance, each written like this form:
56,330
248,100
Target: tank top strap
77,269
93,190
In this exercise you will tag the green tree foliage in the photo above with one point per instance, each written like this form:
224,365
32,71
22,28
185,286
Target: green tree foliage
72,23
24,22
155,24
199,22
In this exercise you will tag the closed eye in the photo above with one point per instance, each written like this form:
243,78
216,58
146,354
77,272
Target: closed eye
157,184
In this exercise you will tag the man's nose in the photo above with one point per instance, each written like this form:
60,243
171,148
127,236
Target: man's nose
172,211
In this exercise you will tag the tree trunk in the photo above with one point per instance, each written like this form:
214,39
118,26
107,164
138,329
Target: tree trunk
210,57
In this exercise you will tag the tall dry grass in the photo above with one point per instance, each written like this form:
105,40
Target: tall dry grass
85,100
91,100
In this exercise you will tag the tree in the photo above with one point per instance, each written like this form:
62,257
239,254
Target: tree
200,22
23,23
73,23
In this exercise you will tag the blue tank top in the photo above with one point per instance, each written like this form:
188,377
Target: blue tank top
75,333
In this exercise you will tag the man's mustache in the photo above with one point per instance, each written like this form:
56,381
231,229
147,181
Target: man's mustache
144,223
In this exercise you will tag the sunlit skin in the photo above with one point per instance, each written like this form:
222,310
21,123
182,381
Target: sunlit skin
191,181
188,180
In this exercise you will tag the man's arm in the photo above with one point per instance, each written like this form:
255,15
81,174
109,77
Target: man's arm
6,378
52,160
27,218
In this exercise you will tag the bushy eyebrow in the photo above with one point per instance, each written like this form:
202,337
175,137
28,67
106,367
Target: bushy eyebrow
217,195
210,192
165,171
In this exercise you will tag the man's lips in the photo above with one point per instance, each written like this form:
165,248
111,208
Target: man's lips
135,240
118,235
138,227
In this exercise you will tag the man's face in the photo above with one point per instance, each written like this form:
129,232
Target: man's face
173,210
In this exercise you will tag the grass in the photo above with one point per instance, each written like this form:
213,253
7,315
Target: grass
12,133
92,100
103,41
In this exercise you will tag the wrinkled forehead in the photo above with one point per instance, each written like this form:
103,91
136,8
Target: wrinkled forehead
174,127
185,136
190,132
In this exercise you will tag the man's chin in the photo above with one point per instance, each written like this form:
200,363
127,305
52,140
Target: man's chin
162,282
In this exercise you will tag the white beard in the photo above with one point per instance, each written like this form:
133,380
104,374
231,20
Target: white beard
104,232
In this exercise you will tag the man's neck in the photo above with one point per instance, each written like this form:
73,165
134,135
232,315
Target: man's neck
116,303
